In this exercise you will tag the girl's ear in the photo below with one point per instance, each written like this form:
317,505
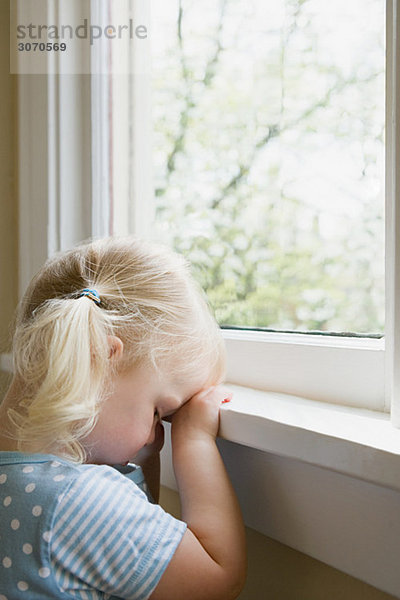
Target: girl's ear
116,347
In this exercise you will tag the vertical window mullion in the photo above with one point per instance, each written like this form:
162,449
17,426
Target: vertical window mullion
393,213
142,205
100,130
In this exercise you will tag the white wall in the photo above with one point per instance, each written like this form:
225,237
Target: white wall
349,524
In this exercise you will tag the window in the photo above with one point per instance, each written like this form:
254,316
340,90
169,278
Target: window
268,157
268,153
133,164
77,156
257,139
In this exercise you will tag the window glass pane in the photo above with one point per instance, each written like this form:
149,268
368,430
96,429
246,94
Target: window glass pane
268,156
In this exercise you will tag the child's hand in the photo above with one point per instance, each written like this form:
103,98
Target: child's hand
200,416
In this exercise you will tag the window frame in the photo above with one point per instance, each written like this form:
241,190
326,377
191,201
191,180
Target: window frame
392,212
366,372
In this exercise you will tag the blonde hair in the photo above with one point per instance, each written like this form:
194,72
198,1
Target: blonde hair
60,344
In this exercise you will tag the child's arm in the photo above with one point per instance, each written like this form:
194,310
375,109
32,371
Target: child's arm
210,561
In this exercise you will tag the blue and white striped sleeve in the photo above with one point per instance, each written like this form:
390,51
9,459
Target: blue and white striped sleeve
107,536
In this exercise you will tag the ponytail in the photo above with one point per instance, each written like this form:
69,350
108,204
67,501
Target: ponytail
61,354
145,296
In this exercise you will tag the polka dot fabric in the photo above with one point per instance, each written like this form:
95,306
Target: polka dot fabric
79,531
25,573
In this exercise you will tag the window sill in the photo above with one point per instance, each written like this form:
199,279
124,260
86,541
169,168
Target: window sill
320,478
357,442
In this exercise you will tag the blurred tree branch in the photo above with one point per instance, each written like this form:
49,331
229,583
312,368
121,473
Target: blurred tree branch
209,74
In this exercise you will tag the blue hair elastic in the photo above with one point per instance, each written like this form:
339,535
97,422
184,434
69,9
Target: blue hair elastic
92,294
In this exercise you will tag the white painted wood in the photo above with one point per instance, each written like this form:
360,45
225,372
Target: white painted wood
352,535
33,150
319,478
100,115
74,166
122,126
347,523
120,123
355,442
393,213
54,172
101,171
142,209
389,208
345,371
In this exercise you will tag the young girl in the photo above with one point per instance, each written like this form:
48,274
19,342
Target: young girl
110,338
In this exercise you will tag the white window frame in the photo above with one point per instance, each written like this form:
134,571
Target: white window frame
62,201
392,220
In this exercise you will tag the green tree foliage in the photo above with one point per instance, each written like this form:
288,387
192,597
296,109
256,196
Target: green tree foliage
268,150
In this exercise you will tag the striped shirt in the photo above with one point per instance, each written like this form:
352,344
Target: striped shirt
79,531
